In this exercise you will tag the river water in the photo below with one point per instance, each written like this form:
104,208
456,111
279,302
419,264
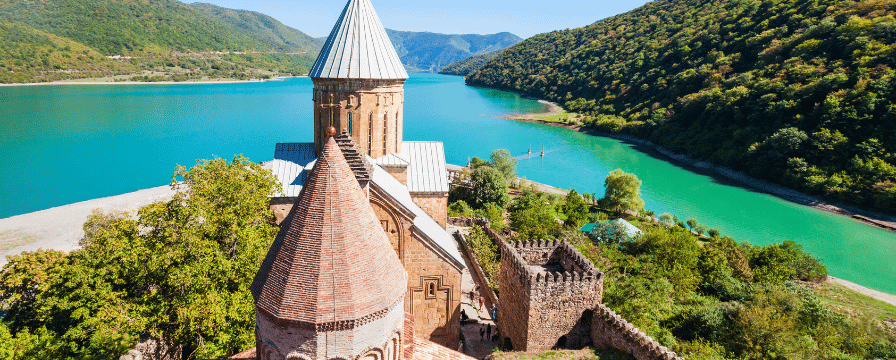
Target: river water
64,144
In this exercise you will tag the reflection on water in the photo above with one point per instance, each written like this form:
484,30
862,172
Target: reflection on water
62,144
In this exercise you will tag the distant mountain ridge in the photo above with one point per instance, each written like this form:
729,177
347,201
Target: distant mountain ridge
159,40
467,66
167,40
432,51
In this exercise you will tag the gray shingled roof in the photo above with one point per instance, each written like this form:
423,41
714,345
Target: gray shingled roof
358,48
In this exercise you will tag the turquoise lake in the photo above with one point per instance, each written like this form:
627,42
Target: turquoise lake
64,144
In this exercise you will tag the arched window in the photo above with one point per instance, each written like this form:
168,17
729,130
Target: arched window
350,123
370,135
385,131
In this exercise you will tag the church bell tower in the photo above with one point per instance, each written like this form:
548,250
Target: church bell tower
359,83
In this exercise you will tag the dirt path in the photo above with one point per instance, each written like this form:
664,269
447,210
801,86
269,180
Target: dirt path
887,298
61,228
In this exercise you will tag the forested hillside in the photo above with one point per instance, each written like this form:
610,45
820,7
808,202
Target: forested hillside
263,27
466,66
155,40
430,51
799,92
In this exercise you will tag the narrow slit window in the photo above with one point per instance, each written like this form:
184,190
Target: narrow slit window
370,135
350,123
385,131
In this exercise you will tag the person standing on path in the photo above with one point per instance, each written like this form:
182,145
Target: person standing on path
488,332
481,332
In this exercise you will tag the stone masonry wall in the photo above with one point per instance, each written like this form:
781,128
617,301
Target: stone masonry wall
281,208
436,205
563,288
477,270
609,330
434,284
513,310
367,109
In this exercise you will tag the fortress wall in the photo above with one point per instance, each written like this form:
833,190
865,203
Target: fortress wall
513,312
609,330
477,270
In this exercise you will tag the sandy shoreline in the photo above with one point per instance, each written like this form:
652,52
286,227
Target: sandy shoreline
866,217
60,228
281,78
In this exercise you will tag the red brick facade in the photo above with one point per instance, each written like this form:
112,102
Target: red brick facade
330,282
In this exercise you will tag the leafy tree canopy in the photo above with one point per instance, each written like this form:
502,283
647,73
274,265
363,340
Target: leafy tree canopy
622,191
180,271
798,92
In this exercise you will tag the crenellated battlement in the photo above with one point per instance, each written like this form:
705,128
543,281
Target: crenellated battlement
547,287
544,261
609,329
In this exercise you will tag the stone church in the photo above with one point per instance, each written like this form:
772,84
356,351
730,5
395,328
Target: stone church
358,102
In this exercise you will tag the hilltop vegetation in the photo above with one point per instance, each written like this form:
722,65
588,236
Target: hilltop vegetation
430,51
26,53
158,40
707,297
799,92
263,27
466,66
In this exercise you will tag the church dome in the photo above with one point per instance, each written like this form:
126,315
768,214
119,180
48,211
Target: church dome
331,263
358,48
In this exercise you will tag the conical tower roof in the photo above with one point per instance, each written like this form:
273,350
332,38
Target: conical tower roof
358,48
331,261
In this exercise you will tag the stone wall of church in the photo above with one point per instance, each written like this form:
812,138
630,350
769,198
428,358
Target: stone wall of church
400,173
435,205
434,290
281,208
371,111
375,337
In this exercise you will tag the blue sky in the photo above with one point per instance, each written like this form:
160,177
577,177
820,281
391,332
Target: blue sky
521,17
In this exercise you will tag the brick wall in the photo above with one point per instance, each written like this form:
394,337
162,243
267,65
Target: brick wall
435,205
281,208
278,339
364,100
609,330
400,173
436,313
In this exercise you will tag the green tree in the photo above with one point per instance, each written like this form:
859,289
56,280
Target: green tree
460,209
494,214
180,272
692,223
575,209
622,191
533,216
476,163
505,163
488,186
